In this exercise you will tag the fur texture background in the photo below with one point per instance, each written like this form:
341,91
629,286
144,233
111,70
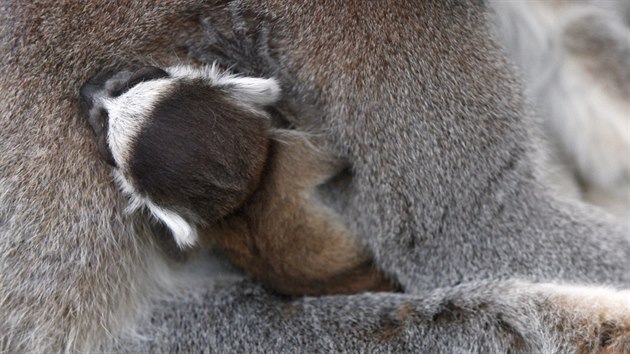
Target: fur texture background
575,59
417,95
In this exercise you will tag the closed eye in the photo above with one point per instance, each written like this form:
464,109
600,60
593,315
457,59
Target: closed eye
147,73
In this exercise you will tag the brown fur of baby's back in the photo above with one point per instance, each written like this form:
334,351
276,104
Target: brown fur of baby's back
289,240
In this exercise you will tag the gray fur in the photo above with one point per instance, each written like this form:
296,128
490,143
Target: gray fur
482,317
575,59
475,209
415,95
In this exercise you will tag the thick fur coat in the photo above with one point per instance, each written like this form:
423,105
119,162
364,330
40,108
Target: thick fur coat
416,95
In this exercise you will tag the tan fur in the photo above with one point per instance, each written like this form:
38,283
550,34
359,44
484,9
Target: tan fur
288,239
594,320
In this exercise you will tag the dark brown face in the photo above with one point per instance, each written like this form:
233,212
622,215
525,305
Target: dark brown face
190,144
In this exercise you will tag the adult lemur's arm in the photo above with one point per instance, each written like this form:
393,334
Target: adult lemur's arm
483,317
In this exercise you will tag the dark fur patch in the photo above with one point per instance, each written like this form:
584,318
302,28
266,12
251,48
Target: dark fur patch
449,312
98,119
147,73
388,328
201,153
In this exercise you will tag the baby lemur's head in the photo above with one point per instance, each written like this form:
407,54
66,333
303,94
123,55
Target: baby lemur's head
188,144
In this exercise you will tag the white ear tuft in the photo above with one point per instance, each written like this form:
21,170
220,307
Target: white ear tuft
254,91
185,235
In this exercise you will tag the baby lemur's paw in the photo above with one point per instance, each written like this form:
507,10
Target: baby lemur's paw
238,39
189,144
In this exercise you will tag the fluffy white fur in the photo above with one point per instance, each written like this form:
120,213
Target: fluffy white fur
607,302
251,91
184,233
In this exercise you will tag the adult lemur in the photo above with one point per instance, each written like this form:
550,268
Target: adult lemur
414,94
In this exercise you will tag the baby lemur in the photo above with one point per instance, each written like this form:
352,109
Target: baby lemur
196,148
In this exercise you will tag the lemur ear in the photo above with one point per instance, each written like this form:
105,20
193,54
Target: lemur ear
184,233
254,91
